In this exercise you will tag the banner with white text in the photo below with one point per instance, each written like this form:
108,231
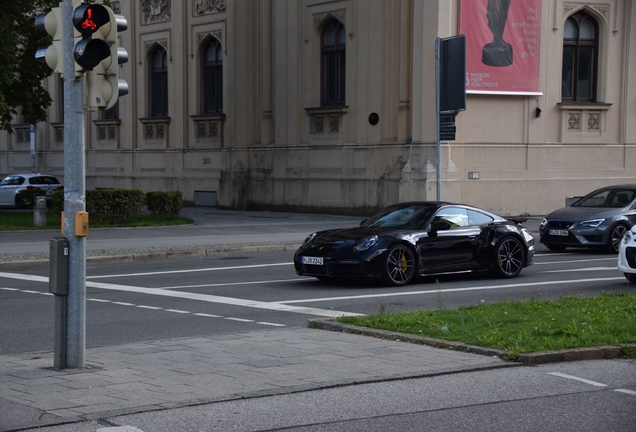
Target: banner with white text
502,45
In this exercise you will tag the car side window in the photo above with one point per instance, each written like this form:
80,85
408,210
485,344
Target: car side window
477,218
455,216
36,180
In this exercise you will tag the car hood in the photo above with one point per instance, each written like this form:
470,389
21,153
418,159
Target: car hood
581,213
346,234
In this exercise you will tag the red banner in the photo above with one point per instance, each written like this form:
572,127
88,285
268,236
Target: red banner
502,45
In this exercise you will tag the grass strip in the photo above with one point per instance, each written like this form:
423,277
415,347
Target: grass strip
23,220
521,326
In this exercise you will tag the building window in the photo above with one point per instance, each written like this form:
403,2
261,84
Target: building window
111,114
580,58
212,77
333,47
158,82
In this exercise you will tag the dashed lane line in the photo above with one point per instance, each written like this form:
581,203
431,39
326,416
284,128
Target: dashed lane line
265,323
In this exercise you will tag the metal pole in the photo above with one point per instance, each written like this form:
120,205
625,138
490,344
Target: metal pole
438,156
74,192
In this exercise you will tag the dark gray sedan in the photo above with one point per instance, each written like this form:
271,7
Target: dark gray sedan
598,220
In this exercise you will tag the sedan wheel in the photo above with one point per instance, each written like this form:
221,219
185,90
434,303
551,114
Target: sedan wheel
399,266
509,258
615,238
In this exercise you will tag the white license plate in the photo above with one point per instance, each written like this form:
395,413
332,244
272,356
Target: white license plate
312,260
559,232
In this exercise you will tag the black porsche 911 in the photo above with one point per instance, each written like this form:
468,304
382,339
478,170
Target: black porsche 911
418,238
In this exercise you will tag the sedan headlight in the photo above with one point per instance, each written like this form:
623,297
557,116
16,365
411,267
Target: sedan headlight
366,243
310,238
592,222
544,223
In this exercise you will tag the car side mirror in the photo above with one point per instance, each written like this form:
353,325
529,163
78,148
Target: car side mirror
439,226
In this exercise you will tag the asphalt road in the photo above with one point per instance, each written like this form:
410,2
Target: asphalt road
143,301
595,395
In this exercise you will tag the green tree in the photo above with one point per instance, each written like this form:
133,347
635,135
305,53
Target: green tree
21,76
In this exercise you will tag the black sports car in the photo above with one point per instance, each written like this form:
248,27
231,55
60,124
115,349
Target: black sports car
416,238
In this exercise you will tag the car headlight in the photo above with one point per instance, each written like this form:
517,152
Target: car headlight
592,222
310,238
544,223
627,237
367,243
527,235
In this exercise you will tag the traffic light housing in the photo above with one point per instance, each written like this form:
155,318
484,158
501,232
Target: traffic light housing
89,20
98,55
52,55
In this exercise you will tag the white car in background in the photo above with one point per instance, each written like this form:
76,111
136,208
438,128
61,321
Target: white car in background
627,255
11,186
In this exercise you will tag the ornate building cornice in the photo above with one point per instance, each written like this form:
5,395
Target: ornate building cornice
203,7
340,16
601,9
154,11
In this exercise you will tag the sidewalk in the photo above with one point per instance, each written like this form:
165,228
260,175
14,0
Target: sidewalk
175,373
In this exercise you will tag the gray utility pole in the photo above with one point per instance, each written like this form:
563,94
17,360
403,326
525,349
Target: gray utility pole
74,196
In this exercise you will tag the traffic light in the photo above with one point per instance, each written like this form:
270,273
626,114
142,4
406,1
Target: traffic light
52,55
98,54
89,51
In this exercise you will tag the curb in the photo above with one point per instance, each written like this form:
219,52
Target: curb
38,261
572,354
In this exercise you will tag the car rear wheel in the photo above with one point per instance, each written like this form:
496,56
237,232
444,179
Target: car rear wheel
19,202
399,266
630,277
510,256
615,237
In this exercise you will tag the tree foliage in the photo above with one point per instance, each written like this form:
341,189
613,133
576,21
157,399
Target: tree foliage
21,76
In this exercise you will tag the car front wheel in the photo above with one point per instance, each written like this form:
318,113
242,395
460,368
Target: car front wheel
510,257
399,266
615,237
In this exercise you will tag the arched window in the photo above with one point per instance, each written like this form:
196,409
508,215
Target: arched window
212,77
580,58
333,47
158,82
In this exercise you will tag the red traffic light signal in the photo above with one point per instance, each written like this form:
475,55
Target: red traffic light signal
88,18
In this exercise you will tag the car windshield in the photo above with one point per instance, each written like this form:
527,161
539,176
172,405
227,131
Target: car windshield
613,198
411,217
12,181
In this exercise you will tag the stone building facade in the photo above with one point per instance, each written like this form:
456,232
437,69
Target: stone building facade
329,105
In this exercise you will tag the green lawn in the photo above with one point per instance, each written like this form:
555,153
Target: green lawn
11,220
522,326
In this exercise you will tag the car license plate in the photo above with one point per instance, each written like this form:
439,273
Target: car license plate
313,260
559,232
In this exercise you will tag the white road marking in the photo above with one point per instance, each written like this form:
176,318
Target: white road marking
235,283
275,306
191,270
159,308
436,291
271,324
587,269
239,319
574,261
583,380
10,289
631,392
